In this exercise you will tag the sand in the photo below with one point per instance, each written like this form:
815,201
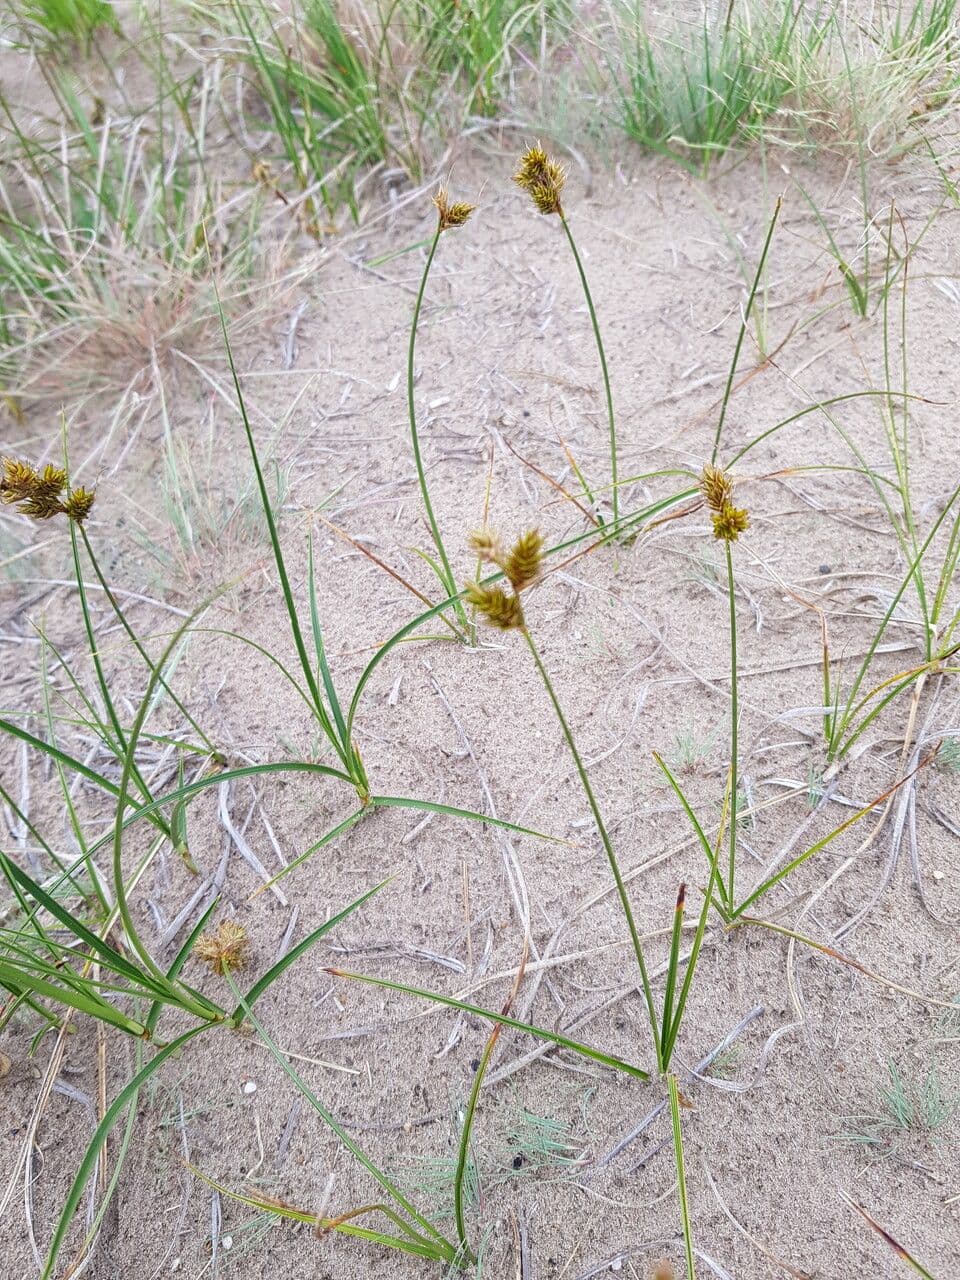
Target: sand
635,638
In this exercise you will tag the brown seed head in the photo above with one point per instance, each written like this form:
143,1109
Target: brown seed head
729,522
499,608
37,493
18,482
225,949
542,179
522,565
451,215
716,487
78,504
663,1270
488,546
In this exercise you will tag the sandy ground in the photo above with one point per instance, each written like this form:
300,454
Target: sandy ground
635,639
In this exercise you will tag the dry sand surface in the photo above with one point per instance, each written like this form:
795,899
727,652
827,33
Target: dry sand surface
635,637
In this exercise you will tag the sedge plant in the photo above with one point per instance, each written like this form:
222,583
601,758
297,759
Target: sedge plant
521,565
450,214
694,99
543,179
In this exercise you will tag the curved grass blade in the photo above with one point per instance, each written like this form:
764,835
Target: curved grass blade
792,865
539,1033
885,1235
128,1094
269,978
429,806
395,1194
410,1242
332,834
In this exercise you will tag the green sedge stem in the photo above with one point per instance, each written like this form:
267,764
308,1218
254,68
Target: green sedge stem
614,483
728,389
463,1155
605,838
681,1174
734,717
415,437
118,612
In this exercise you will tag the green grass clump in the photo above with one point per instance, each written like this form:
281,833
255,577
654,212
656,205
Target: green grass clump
694,96
474,42
75,20
905,1108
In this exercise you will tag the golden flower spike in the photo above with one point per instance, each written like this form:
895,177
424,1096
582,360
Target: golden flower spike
488,547
542,179
225,949
717,489
451,215
500,609
78,504
37,493
521,564
729,522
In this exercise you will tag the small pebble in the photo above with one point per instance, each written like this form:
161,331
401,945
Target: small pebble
937,875
227,1242
249,1086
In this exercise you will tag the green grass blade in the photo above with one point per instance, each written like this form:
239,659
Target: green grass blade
128,1094
673,965
292,615
309,852
429,806
728,389
329,1120
411,1242
539,1033
269,978
320,648
179,960
681,1174
19,978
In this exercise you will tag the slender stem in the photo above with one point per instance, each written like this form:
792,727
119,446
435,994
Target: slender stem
614,484
681,1174
734,718
463,1155
306,665
605,838
444,1246
415,438
728,389
115,606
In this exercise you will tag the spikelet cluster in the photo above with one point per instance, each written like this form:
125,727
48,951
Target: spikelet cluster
524,560
500,608
522,566
224,949
717,489
39,494
542,178
451,215
664,1270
